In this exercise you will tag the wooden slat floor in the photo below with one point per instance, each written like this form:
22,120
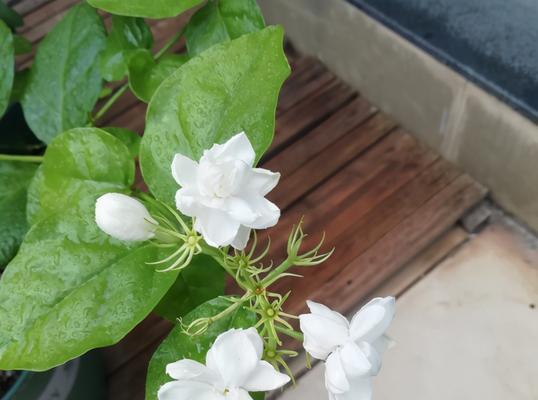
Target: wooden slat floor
380,196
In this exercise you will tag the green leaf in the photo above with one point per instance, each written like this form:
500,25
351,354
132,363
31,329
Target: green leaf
79,166
146,74
145,8
14,180
126,35
178,345
19,85
64,82
21,45
222,21
33,202
10,16
71,288
129,139
202,280
7,66
230,88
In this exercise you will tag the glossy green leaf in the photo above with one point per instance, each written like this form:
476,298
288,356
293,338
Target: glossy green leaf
33,201
229,88
146,74
72,288
178,345
126,35
10,16
14,180
201,281
64,82
129,139
75,171
19,85
145,8
222,21
7,66
21,45
79,166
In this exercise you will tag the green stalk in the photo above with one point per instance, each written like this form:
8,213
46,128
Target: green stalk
22,158
125,86
110,102
293,334
169,43
274,274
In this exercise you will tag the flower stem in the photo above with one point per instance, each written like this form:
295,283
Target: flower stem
274,274
169,43
295,335
22,158
111,101
125,86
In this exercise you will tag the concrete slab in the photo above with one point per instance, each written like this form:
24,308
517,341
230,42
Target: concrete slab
464,123
468,330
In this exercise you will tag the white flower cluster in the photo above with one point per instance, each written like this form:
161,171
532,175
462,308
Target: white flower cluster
234,367
352,351
222,192
225,196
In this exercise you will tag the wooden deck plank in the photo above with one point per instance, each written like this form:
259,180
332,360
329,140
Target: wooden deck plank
354,233
402,243
358,187
328,161
308,113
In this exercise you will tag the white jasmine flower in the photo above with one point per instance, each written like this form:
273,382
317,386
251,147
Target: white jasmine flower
225,194
352,351
234,367
124,217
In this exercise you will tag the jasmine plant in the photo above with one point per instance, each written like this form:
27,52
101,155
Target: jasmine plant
100,255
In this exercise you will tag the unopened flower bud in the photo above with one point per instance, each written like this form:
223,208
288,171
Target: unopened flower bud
124,217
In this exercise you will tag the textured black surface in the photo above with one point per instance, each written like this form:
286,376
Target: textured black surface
492,42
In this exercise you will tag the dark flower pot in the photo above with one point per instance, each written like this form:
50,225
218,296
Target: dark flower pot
79,379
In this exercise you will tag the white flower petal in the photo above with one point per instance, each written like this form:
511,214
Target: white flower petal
335,376
237,147
217,228
373,319
324,330
358,361
373,358
188,390
124,217
234,356
261,181
256,341
267,213
191,370
238,394
241,239
184,170
265,377
187,201
324,311
240,210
